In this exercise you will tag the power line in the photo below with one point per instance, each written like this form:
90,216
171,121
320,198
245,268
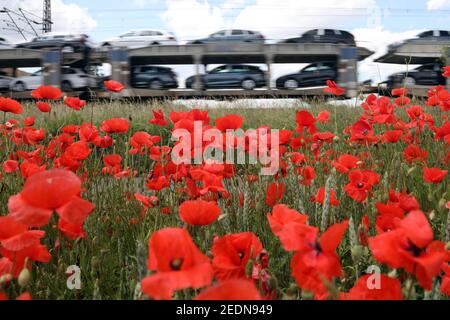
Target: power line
16,27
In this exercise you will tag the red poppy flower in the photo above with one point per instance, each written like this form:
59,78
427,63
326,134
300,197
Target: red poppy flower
232,252
178,263
103,141
159,183
62,188
392,136
78,151
74,103
399,92
323,117
305,120
10,105
18,243
402,101
446,72
47,93
362,132
10,166
320,197
113,86
147,202
44,106
445,284
274,193
88,132
333,88
389,289
414,153
434,175
6,266
229,122
308,174
345,163
72,231
142,141
27,169
389,216
199,212
158,118
233,289
112,164
411,247
29,121
315,260
115,125
281,216
360,184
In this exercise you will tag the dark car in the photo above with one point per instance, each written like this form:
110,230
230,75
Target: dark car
231,76
56,41
433,36
315,74
427,75
324,36
155,78
235,35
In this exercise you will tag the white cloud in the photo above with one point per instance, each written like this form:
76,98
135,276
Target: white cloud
191,19
287,18
143,3
438,4
377,39
67,17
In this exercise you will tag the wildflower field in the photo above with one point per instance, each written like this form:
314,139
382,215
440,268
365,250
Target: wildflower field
357,208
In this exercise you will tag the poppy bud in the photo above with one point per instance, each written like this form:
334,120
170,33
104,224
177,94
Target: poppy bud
432,215
95,262
24,278
336,138
393,274
442,203
411,170
447,246
249,268
5,278
357,252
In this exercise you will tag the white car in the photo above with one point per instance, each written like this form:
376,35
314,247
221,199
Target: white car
4,82
72,79
5,44
141,38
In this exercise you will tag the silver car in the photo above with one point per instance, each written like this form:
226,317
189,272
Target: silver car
4,82
235,35
72,79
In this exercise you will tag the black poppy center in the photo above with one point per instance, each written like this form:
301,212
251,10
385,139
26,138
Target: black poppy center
176,264
413,249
